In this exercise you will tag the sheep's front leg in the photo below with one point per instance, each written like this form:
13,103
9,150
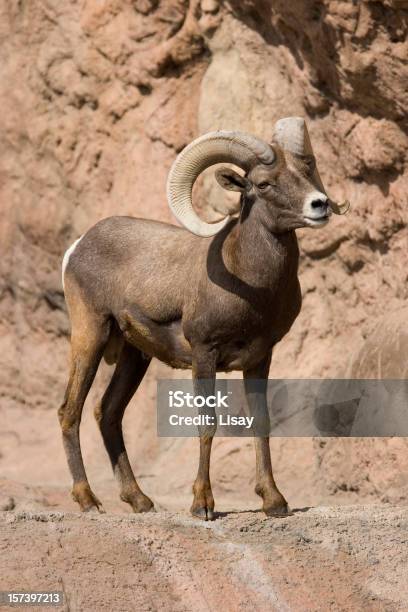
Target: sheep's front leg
256,380
204,372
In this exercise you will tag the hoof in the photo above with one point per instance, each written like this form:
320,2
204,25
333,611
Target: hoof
140,503
144,508
203,514
88,502
95,509
202,507
278,511
274,504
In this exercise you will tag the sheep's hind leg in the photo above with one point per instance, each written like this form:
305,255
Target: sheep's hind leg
256,380
204,372
89,337
129,372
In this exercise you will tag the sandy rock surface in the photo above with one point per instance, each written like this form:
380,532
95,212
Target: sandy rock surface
318,559
98,98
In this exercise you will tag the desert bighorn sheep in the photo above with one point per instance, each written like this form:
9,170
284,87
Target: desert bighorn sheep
211,297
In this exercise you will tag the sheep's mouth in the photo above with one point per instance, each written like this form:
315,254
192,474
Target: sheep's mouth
317,221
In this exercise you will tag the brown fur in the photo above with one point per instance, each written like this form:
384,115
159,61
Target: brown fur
138,289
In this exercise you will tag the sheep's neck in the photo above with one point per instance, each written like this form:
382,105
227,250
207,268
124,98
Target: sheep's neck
260,256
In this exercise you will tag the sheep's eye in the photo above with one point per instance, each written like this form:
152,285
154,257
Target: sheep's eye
263,186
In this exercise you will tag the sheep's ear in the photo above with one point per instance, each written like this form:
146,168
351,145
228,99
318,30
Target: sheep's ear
231,180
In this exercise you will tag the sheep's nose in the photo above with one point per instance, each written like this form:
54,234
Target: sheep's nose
319,203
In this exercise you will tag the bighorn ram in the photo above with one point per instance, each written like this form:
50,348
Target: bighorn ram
211,297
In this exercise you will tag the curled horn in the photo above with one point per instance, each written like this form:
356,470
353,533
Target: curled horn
291,134
237,148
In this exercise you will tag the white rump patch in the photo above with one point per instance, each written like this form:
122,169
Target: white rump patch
67,255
